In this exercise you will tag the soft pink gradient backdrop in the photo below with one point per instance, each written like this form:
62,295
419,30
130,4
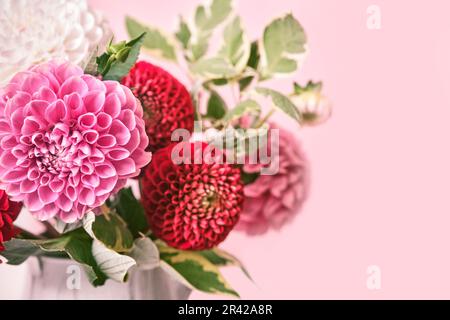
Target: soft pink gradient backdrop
381,166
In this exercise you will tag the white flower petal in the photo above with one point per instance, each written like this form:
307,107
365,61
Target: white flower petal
34,31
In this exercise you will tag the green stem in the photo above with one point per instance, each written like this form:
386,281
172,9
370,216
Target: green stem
261,122
24,234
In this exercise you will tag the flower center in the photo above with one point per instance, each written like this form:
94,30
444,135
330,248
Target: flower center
54,151
210,200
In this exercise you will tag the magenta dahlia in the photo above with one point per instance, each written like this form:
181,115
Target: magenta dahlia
68,140
191,206
166,102
9,211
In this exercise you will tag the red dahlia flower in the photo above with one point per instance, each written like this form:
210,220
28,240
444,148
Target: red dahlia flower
9,211
166,102
191,206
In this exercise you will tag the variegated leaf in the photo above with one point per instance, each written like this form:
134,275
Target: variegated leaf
146,254
284,44
196,270
222,258
114,265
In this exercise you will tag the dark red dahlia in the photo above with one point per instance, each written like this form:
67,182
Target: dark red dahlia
9,211
191,206
166,102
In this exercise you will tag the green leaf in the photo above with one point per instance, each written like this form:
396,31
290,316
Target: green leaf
100,262
214,68
222,258
112,231
90,64
201,19
114,265
17,251
154,39
184,34
78,245
206,20
281,102
131,211
236,47
145,253
253,61
284,41
220,82
216,106
200,47
104,63
195,270
245,82
115,64
231,58
245,107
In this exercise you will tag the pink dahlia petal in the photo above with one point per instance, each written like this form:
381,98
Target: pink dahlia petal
120,131
56,112
112,105
74,104
94,101
7,159
73,84
68,140
105,170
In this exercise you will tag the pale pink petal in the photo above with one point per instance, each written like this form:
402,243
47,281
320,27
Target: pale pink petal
93,101
64,203
87,121
56,112
46,195
112,105
86,196
71,85
28,186
105,170
120,132
125,167
128,118
106,141
118,153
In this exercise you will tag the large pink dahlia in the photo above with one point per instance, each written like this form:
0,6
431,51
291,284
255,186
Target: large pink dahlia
68,140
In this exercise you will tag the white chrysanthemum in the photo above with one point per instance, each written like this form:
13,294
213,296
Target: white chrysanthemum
33,31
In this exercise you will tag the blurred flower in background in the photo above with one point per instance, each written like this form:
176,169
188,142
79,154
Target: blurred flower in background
271,201
32,32
314,107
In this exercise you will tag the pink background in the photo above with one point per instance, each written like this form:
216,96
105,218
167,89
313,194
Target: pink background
381,165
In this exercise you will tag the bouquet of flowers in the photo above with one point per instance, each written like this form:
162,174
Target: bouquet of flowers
125,166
